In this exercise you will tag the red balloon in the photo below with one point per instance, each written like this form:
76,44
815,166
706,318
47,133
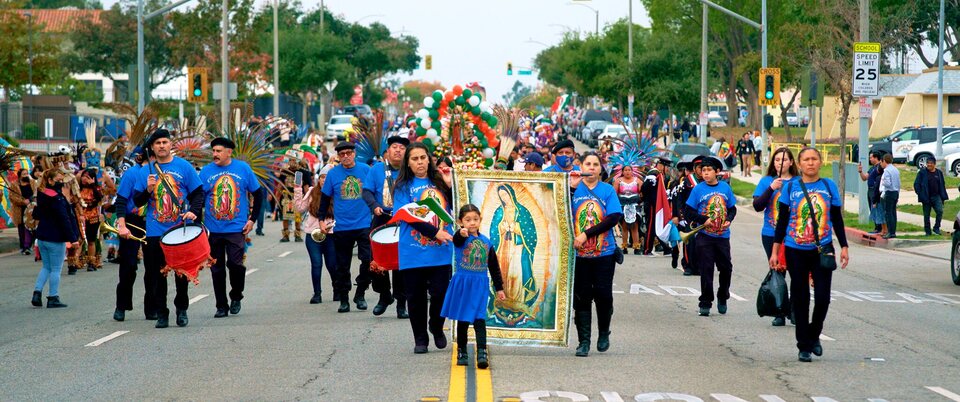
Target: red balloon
457,90
448,96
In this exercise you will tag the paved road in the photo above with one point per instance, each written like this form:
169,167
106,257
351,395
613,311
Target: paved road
893,330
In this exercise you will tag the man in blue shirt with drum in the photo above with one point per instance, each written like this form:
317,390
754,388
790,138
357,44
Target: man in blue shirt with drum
344,188
170,199
228,185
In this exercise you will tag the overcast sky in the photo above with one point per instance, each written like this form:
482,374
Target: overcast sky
473,40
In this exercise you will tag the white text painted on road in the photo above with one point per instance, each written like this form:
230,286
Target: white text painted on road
103,340
949,395
197,298
250,271
284,254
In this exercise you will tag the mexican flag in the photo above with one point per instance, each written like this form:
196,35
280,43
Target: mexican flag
559,103
662,214
426,211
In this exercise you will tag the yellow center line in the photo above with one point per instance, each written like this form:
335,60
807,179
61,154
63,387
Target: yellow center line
458,380
485,383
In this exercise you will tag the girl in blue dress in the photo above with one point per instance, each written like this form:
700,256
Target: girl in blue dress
469,290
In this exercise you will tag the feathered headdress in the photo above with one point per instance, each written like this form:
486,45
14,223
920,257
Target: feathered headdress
253,146
368,137
635,150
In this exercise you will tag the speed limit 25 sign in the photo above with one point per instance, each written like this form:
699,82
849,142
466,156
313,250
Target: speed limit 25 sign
866,69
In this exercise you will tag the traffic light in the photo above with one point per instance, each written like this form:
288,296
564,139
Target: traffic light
769,87
197,88
428,62
509,68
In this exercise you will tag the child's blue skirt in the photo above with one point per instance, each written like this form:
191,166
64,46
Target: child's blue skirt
467,296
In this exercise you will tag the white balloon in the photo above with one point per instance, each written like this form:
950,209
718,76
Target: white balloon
423,114
431,133
488,153
425,123
474,101
428,102
485,106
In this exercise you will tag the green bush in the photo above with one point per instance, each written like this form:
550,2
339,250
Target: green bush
31,131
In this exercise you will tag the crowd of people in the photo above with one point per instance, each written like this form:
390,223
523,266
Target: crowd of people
334,202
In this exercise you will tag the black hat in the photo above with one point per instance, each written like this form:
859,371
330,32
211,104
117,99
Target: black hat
712,162
397,139
665,162
157,134
344,146
685,165
561,145
223,142
698,160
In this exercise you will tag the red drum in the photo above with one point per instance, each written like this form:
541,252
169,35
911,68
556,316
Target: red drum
186,250
383,244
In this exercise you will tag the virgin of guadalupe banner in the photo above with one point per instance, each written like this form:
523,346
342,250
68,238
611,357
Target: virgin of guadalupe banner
526,216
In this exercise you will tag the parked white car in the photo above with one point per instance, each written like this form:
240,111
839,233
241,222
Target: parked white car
953,163
919,153
337,124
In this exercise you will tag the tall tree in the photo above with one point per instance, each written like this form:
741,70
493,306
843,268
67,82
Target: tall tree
20,41
517,93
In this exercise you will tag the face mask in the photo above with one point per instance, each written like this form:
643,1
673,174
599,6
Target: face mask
564,161
58,186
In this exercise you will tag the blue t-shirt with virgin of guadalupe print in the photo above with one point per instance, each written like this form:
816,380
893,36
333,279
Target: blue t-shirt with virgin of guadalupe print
166,205
589,208
823,195
345,187
226,201
770,210
713,202
416,249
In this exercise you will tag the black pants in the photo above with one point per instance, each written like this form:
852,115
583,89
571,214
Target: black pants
24,237
344,242
153,262
800,263
593,284
479,327
127,256
228,250
689,260
381,280
418,282
713,251
649,234
890,200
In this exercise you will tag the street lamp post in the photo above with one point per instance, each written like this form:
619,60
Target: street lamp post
596,15
276,60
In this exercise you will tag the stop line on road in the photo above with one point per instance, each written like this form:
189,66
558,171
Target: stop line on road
610,396
848,295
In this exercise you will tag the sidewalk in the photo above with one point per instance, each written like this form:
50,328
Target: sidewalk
852,204
9,241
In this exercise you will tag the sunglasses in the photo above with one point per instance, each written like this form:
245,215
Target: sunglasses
345,153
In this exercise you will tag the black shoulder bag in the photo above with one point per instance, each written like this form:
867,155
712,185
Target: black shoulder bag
828,256
617,252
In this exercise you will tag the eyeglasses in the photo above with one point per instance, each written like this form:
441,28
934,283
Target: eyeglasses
345,153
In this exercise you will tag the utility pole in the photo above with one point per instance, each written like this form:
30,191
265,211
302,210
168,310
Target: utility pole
276,59
224,72
141,90
321,16
864,125
630,60
939,153
703,76
765,154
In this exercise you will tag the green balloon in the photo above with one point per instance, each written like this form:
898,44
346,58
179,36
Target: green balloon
488,162
475,110
459,101
493,121
428,142
435,124
437,96
467,93
485,116
434,114
421,131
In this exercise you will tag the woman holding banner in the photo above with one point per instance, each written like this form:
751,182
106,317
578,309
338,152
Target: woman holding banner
425,246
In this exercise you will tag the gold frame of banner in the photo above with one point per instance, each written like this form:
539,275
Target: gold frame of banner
538,267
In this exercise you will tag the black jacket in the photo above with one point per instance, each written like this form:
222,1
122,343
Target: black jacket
57,219
920,186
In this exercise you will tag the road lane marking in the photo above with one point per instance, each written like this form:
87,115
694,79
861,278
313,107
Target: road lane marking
949,395
103,340
484,383
826,338
457,391
198,298
734,296
250,271
284,254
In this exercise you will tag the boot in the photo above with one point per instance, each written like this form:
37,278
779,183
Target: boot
182,319
359,299
36,302
385,301
298,239
583,320
316,298
71,270
344,304
402,309
298,234
285,238
603,341
461,357
54,302
603,327
482,361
